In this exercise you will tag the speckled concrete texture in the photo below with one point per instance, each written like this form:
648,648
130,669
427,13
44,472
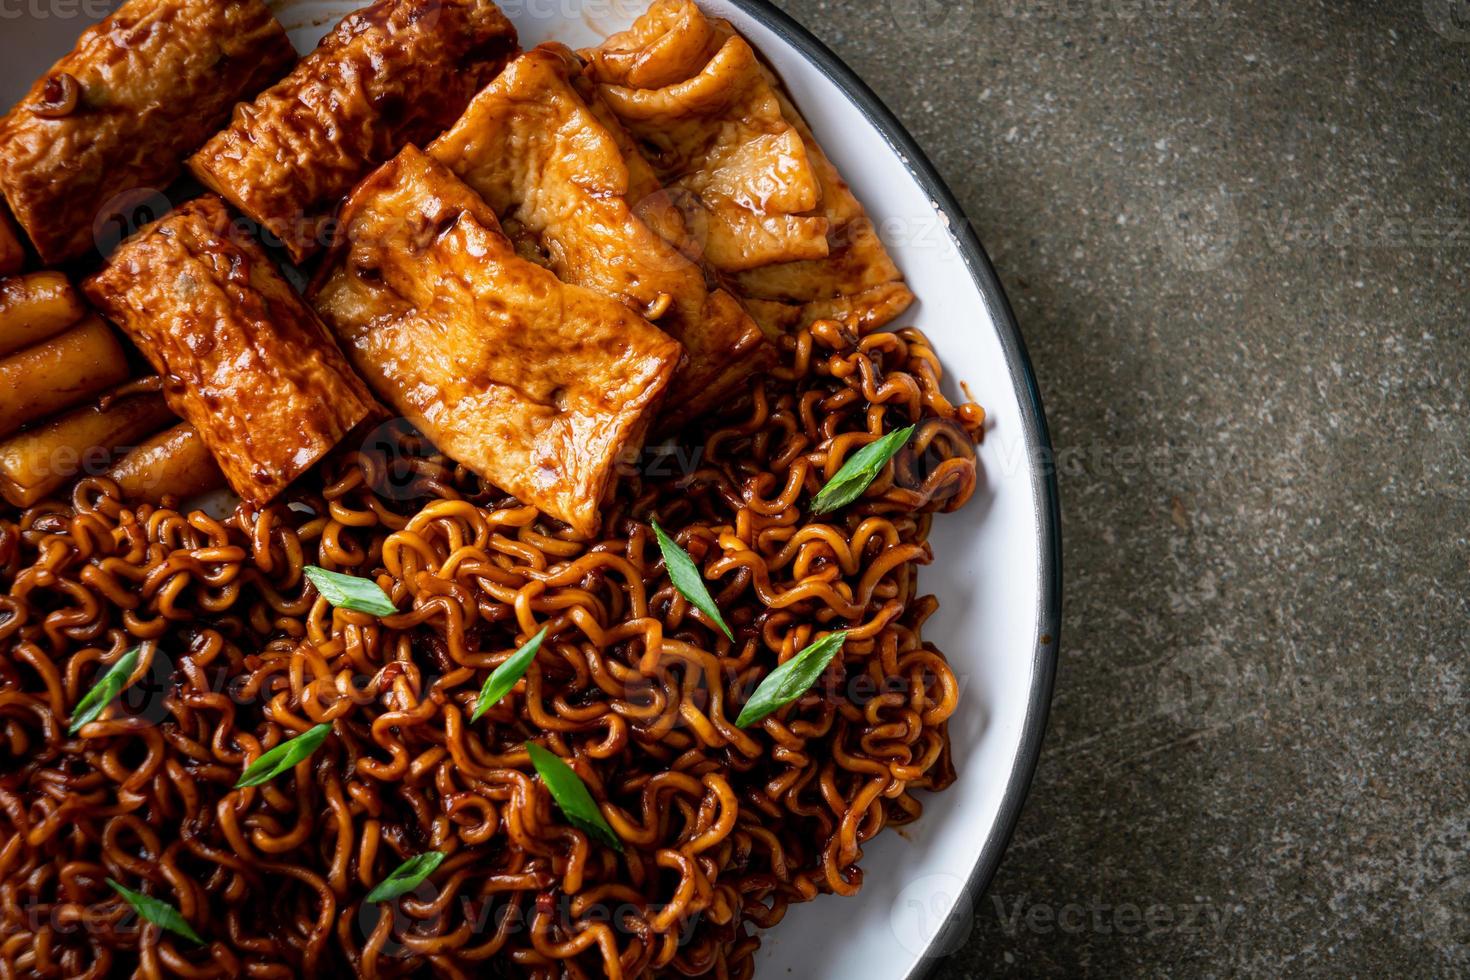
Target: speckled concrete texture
1236,234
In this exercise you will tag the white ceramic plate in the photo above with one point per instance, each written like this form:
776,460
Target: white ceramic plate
997,569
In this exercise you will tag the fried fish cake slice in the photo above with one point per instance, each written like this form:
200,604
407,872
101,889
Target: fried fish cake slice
857,283
140,91
537,385
393,73
242,357
554,165
688,86
692,94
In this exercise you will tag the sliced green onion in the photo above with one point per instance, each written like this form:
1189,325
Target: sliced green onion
571,795
283,757
160,913
499,683
407,876
790,680
108,687
859,472
687,579
351,592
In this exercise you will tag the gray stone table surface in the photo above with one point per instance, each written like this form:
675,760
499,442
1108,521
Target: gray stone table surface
1236,234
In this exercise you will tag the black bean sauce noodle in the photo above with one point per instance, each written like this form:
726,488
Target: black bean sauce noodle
722,828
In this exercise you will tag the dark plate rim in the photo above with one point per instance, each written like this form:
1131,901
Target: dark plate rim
1036,434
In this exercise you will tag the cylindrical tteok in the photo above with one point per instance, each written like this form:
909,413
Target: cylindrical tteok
58,373
173,463
35,307
79,443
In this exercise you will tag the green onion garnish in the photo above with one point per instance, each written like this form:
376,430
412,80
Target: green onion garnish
283,757
791,680
687,579
859,472
109,686
160,913
571,795
351,592
406,877
499,683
